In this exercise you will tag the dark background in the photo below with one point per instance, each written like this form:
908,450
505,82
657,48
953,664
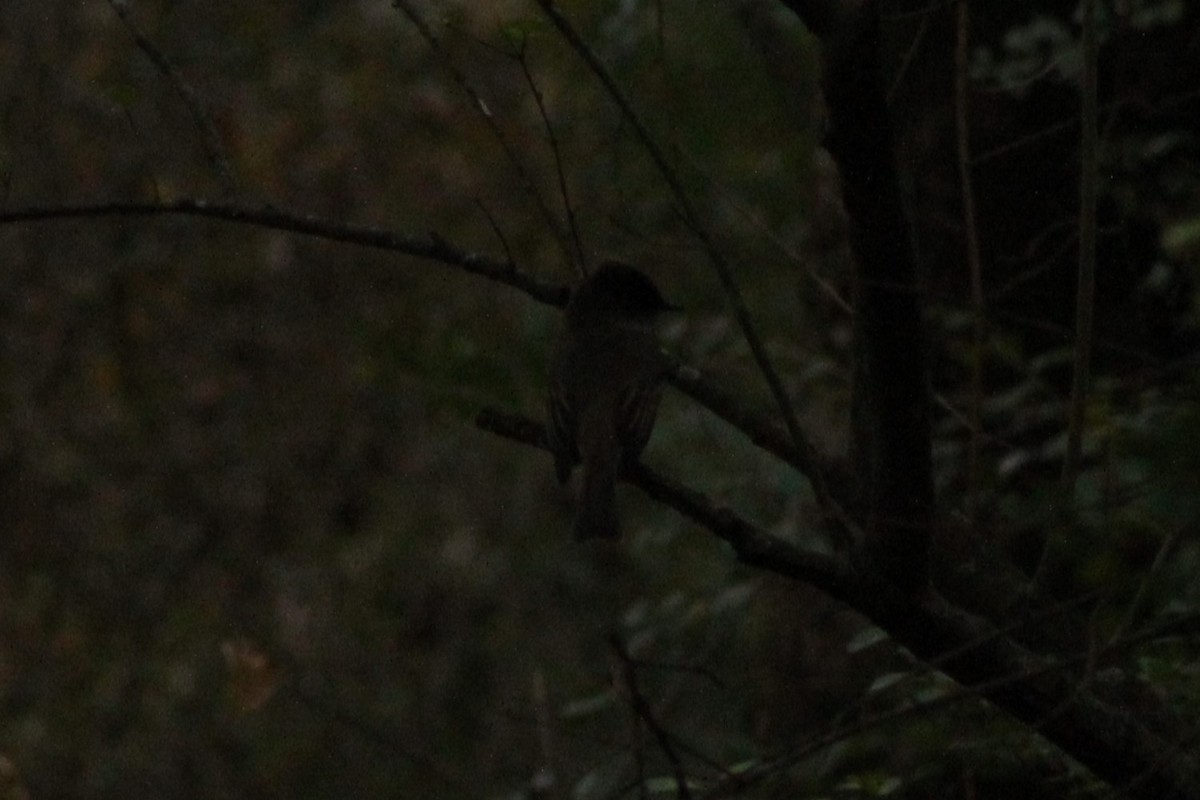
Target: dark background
253,544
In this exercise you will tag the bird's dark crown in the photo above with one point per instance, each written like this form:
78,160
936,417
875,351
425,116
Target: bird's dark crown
626,288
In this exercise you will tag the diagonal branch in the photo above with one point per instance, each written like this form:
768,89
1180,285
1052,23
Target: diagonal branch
753,546
556,151
1086,291
431,246
832,482
628,685
208,132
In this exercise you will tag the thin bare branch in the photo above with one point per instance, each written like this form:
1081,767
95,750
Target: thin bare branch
556,150
1138,604
430,246
762,229
974,260
627,685
545,778
495,226
524,179
1086,290
1161,105
208,131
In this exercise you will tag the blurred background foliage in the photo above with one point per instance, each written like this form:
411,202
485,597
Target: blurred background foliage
253,545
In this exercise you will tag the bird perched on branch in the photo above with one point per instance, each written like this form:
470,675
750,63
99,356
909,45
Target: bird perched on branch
605,384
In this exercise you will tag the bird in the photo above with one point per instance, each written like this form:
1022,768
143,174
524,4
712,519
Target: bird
606,373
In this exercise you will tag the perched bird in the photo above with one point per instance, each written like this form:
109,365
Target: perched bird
605,384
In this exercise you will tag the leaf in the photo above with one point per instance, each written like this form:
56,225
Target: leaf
588,706
886,681
865,639
1182,237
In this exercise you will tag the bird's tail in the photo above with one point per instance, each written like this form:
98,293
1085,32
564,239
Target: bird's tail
597,517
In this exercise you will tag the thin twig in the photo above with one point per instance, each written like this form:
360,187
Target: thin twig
1138,602
764,230
524,179
430,246
909,56
974,261
1162,105
545,777
689,213
556,150
627,677
495,226
208,131
1086,290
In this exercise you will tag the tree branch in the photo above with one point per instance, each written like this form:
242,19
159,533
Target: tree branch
627,684
431,246
832,481
1085,297
753,546
555,150
974,259
208,131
